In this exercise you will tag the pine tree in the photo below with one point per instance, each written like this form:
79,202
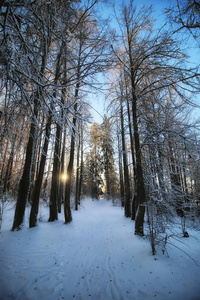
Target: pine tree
108,154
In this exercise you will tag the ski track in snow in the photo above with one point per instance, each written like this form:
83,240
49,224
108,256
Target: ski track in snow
95,257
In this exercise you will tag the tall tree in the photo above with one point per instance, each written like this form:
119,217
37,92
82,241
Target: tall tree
108,154
127,196
35,196
152,61
121,177
95,161
53,205
90,57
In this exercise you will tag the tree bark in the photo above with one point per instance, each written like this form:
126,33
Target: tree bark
9,168
24,183
139,195
53,205
81,169
133,159
53,209
126,173
62,182
67,209
120,172
107,175
38,183
77,176
175,181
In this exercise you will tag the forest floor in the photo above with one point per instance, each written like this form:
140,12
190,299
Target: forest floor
96,256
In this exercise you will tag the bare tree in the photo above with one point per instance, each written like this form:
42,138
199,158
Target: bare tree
90,58
127,196
36,99
152,61
185,15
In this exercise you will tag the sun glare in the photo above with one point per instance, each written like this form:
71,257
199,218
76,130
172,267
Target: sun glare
64,177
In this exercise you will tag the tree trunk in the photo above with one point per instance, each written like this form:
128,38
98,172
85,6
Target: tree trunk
53,205
131,135
139,193
77,177
107,175
120,173
38,183
24,183
53,209
133,159
8,174
81,169
4,162
126,173
62,182
175,180
67,209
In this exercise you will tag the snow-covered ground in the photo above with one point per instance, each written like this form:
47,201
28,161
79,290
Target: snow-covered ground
95,257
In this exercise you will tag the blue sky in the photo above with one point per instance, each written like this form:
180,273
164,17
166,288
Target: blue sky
159,6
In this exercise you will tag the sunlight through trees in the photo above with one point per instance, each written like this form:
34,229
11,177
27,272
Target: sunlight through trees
144,154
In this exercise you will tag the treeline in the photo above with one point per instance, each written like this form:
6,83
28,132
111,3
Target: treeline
101,178
51,52
152,88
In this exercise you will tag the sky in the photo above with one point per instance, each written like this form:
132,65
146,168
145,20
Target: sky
98,99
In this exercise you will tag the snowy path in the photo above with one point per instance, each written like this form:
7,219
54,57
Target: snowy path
95,257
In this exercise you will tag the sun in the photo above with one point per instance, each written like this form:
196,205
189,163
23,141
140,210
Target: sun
64,177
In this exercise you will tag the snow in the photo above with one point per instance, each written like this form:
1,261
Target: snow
96,256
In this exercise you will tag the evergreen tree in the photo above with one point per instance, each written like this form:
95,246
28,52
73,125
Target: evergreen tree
95,161
108,155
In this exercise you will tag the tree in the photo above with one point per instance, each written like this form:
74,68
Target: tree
78,186
53,205
37,95
90,57
131,33
108,155
95,167
152,61
29,30
121,177
186,15
39,60
127,196
38,183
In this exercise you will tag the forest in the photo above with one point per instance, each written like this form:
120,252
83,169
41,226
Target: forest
99,149
144,154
